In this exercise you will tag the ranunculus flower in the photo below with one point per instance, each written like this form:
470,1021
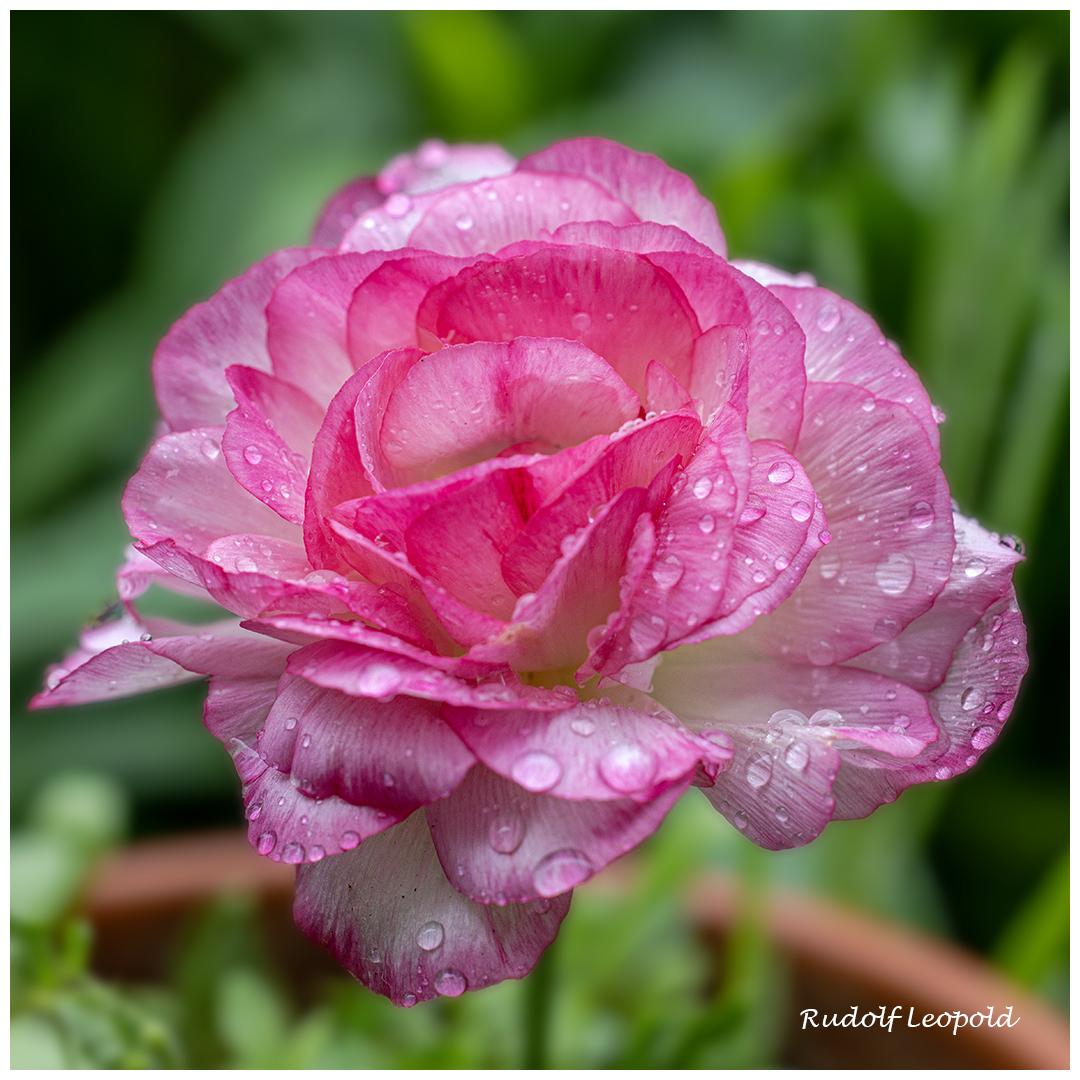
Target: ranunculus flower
531,511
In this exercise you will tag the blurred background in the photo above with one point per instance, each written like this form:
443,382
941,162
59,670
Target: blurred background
915,162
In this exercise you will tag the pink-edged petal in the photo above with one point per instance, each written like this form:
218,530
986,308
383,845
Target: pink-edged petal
768,276
780,529
184,492
631,458
843,344
550,629
283,824
375,383
222,649
138,572
383,311
306,322
684,582
618,304
366,672
663,391
498,842
594,750
387,227
790,726
982,568
229,328
641,237
435,164
394,754
343,208
467,403
720,370
388,913
776,344
889,516
491,214
970,707
337,474
653,190
249,553
279,406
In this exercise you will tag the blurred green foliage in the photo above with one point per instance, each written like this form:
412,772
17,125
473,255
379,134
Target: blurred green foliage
914,161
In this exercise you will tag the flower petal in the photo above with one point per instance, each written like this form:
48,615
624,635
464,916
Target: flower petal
436,165
343,208
229,328
387,912
653,190
498,842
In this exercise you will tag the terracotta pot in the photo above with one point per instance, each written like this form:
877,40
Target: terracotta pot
838,959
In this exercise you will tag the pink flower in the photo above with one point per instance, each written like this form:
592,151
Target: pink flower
531,511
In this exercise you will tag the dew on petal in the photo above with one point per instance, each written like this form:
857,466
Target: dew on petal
293,852
265,843
581,321
894,573
536,771
349,840
583,726
781,472
561,870
828,318
719,738
431,936
628,768
921,515
398,205
801,511
706,523
252,455
740,819
316,853
506,833
210,448
464,223
821,653
971,699
759,770
782,814
668,572
797,756
829,563
702,488
378,680
975,568
754,510
647,632
983,737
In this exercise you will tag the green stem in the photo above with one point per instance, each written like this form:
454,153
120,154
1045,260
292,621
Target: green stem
538,998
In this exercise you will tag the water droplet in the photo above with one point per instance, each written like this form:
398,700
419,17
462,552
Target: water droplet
759,577
828,318
266,842
450,983
869,405
506,833
797,756
781,472
464,223
561,870
252,455
582,726
971,699
759,770
921,515
408,1001
628,768
780,562
210,448
431,937
349,840
983,737
536,771
293,852
782,815
885,629
398,205
668,572
246,565
706,524
290,723
581,321
754,509
741,820
975,568
378,681
943,773
702,488
647,632
859,463
801,511
894,573
317,853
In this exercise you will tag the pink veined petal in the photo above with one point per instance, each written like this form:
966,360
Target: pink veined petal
776,344
229,328
594,750
388,227
768,276
889,517
641,237
366,672
388,913
467,403
684,583
491,214
383,311
663,391
790,726
653,190
394,754
306,322
279,406
283,824
375,384
337,474
549,629
436,165
720,370
512,845
843,344
618,304
343,208
631,458
138,573
248,553
921,654
184,492
970,707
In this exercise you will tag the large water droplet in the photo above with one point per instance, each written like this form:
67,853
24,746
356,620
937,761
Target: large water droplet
582,725
647,632
349,840
828,564
398,205
210,448
265,843
293,852
782,815
668,572
252,454
450,983
464,223
828,318
921,515
821,653
628,768
506,833
797,756
706,523
536,771
894,573
983,737
975,568
754,509
801,511
378,680
759,770
971,699
740,819
561,870
430,936
581,321
408,1000
702,488
781,472
317,853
